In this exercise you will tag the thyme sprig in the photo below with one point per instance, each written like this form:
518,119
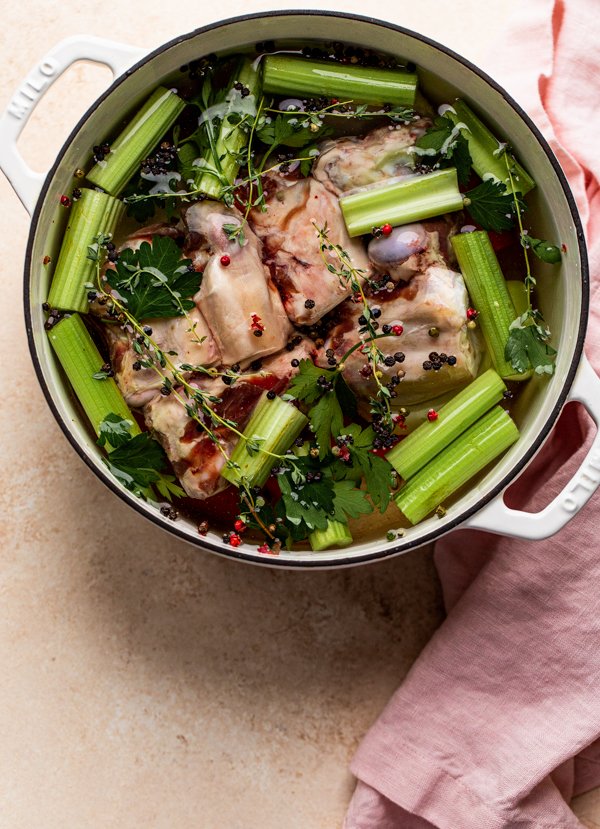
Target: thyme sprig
353,278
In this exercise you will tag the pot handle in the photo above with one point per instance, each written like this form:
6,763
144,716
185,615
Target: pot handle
496,517
27,183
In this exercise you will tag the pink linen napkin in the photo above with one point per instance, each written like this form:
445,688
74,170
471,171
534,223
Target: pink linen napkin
494,727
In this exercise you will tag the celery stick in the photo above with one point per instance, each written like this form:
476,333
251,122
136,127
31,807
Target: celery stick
222,161
141,135
407,200
459,462
418,448
91,214
487,288
336,534
287,75
483,147
80,360
273,427
518,294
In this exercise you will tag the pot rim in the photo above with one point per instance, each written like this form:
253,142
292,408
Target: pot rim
392,549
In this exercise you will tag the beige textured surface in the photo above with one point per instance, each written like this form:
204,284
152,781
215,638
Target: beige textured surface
144,683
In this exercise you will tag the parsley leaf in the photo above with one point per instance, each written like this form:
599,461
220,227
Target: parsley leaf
376,471
491,206
327,420
544,250
290,132
154,281
305,506
137,462
114,431
304,384
444,141
349,502
528,347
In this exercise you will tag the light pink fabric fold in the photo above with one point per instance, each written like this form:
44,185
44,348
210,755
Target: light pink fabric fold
495,726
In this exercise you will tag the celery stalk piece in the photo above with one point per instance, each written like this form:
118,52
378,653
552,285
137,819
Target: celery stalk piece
518,294
483,147
271,430
80,360
429,439
487,288
91,214
134,143
336,534
222,162
458,463
407,200
289,76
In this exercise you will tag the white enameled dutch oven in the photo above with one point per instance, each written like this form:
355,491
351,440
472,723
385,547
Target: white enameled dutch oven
563,293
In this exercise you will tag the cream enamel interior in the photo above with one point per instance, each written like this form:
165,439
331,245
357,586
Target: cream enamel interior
560,289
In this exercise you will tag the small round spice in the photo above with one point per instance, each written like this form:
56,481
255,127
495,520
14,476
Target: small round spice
271,395
472,313
46,260
386,229
65,201
471,325
225,260
264,548
314,452
399,356
136,366
386,329
397,330
257,332
427,365
389,361
451,360
362,320
376,313
79,173
234,540
239,526
432,415
295,363
434,332
309,303
203,527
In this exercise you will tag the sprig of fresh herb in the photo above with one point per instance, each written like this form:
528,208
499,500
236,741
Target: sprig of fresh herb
443,145
154,281
544,250
138,462
492,207
353,278
528,345
326,393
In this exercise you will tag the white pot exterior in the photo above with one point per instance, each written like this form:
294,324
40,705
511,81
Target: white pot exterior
563,290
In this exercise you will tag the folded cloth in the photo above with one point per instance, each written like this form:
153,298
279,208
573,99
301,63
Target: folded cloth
483,731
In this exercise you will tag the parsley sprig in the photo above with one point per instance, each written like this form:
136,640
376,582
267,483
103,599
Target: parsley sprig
443,145
138,462
154,281
528,346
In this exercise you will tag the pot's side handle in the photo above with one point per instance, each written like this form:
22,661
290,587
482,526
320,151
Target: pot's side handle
496,517
117,56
